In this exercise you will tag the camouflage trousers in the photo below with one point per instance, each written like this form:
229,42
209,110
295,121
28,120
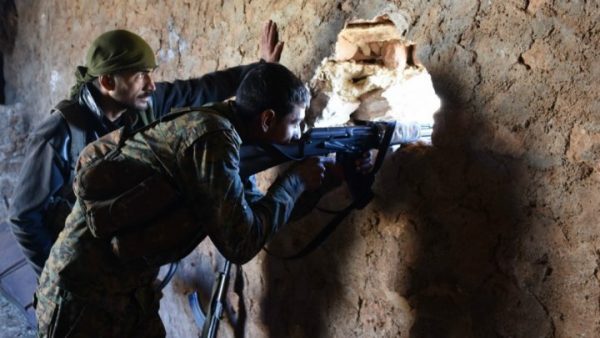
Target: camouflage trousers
62,314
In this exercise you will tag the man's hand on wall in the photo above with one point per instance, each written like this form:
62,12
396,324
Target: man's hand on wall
270,46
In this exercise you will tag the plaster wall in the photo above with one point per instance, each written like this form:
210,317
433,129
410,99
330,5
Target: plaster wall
490,232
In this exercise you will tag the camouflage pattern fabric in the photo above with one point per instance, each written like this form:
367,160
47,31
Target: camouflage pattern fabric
62,314
84,280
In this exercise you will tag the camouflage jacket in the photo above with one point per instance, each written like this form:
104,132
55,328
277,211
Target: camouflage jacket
43,195
199,150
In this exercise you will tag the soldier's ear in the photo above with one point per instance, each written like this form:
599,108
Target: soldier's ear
107,82
267,119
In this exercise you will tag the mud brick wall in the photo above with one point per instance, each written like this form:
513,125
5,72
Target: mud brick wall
490,232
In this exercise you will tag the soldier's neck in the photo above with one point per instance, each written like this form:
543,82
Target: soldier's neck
111,109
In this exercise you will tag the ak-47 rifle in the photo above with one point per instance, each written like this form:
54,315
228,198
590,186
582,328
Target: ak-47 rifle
341,140
348,143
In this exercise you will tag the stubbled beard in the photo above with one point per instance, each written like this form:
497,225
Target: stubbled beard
137,104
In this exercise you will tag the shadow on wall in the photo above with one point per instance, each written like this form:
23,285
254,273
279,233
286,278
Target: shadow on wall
462,203
302,293
2,97
462,209
8,33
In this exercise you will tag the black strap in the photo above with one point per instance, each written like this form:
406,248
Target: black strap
328,228
322,235
71,112
358,203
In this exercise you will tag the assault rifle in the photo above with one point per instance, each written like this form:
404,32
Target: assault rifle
340,140
348,143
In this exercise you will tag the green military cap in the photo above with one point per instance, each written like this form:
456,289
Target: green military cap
114,51
119,50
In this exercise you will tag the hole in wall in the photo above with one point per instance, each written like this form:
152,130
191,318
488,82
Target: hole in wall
374,75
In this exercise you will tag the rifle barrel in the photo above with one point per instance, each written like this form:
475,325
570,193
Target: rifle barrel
411,132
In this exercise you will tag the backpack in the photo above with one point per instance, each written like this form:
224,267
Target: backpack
136,207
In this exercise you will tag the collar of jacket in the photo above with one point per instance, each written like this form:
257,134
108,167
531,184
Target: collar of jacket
101,123
87,100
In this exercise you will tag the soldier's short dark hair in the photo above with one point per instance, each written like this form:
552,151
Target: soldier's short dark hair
270,86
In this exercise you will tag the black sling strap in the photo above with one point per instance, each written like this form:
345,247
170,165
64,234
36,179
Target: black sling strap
71,112
321,236
76,121
361,197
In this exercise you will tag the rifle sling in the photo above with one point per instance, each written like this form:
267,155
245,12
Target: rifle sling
322,235
328,229
339,217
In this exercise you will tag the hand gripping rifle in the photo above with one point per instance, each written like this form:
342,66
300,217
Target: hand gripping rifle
348,143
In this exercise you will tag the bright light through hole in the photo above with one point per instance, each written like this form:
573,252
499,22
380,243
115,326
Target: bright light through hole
374,76
413,100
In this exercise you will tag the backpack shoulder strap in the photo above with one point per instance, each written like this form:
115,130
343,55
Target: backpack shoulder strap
61,203
76,119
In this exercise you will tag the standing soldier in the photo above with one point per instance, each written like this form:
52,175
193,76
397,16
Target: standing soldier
113,90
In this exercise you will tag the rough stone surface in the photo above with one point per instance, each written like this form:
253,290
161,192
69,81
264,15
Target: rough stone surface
491,232
13,134
13,323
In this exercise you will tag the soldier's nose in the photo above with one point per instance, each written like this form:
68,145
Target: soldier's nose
150,86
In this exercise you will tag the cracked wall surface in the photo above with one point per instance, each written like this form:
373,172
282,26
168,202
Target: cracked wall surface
490,232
